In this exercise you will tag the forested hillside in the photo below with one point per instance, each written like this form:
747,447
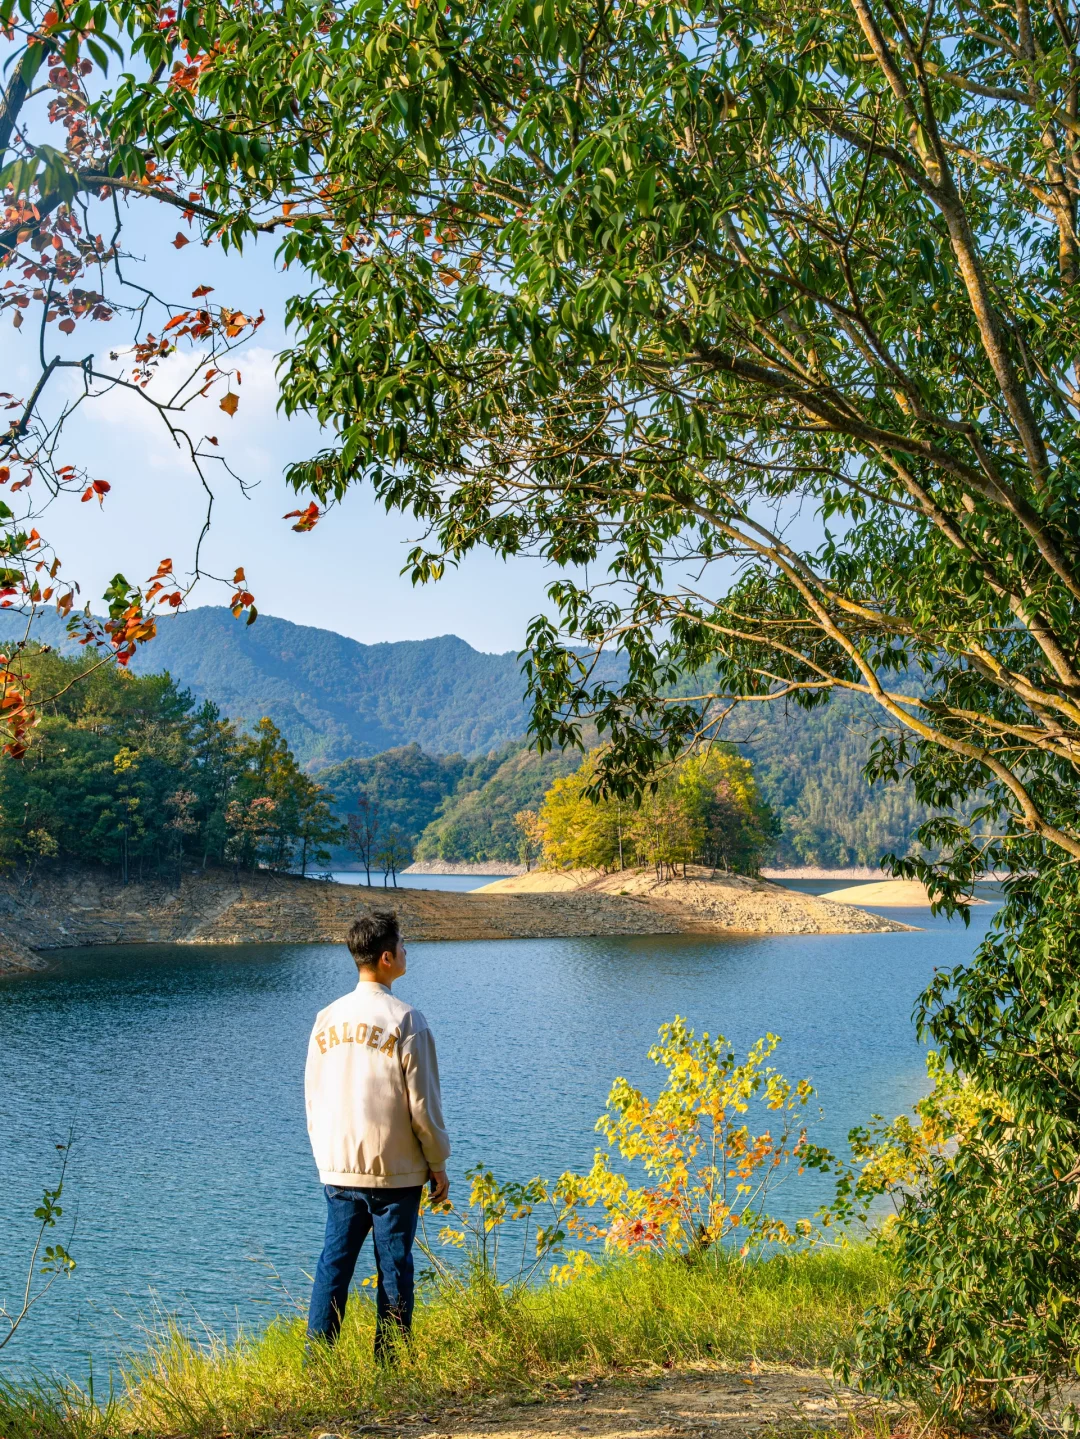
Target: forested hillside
432,729
128,771
808,768
407,785
477,822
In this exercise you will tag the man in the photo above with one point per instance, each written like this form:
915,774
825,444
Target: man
375,1119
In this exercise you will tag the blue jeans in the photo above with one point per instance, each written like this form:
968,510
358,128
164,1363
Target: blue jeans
391,1214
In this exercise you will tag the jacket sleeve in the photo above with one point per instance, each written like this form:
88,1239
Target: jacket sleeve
421,1069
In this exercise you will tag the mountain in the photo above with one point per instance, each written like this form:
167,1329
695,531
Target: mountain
332,697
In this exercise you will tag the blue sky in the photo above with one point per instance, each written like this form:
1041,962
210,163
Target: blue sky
343,575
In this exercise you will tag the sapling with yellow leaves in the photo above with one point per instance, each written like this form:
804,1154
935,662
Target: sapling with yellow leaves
709,1167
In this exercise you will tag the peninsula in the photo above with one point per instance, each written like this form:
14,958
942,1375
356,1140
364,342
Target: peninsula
88,906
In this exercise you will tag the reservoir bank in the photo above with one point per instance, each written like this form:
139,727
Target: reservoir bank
69,908
181,1069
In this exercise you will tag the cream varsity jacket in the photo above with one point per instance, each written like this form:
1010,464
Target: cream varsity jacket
374,1110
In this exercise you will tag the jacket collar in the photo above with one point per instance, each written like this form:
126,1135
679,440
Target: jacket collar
372,984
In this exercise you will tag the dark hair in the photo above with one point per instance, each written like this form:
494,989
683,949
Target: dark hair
371,935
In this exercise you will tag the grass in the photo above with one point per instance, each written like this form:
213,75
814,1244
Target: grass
623,1319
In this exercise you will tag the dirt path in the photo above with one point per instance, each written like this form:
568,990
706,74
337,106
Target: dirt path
698,1401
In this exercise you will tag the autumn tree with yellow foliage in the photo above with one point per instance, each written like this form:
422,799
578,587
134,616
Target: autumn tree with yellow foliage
704,810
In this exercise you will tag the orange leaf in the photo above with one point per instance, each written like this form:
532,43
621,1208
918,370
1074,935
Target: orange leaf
230,403
202,290
306,519
66,326
239,578
181,241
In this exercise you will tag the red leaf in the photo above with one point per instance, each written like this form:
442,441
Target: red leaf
202,290
66,326
306,519
181,241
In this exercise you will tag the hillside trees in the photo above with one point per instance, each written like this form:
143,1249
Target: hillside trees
706,810
764,323
126,772
477,822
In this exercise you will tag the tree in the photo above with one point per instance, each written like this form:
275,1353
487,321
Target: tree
47,1261
181,802
531,841
316,826
704,810
394,853
732,313
120,771
738,830
785,292
581,830
364,830
66,269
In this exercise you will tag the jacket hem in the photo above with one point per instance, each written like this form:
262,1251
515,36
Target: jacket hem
353,1180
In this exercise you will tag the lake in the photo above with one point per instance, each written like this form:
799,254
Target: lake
180,1069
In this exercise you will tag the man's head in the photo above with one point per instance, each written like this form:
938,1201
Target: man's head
375,943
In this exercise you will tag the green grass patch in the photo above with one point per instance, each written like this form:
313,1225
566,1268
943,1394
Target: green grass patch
624,1318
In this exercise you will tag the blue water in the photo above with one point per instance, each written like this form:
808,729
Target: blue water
417,881
181,1071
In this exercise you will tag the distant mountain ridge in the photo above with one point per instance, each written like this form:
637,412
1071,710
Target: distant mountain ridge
333,697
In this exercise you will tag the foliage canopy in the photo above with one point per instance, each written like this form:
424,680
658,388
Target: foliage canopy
127,771
705,810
